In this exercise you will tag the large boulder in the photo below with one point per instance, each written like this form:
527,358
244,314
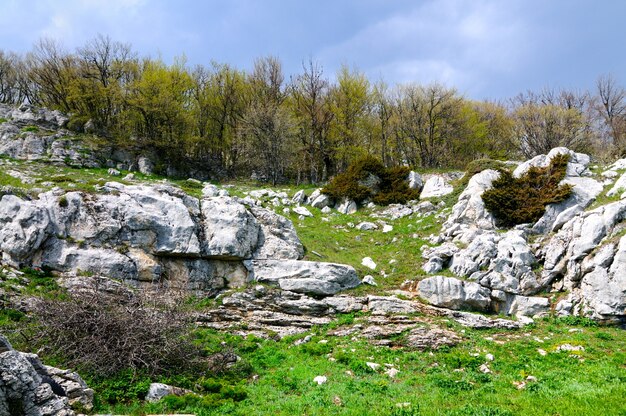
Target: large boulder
451,293
145,234
29,388
230,230
277,236
436,186
305,276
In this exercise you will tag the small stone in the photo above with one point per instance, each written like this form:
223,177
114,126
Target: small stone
531,378
484,369
489,357
387,228
320,380
369,263
373,366
541,352
302,211
114,172
392,372
326,210
337,401
369,280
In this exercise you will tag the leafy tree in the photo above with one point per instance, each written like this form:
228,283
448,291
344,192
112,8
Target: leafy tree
351,102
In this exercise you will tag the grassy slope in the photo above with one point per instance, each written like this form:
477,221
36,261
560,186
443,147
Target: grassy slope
446,382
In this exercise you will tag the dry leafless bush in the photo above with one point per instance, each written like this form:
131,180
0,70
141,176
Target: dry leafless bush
105,334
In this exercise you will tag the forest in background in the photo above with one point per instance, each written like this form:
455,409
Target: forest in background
303,128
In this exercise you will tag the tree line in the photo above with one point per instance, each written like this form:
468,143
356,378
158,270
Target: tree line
304,128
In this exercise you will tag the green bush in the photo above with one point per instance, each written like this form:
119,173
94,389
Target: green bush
523,200
391,189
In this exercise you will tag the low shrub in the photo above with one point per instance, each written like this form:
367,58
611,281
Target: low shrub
523,200
106,335
386,185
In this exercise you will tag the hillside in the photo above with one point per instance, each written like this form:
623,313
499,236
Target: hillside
299,304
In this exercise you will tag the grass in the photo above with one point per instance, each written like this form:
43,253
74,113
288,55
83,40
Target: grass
444,382
276,377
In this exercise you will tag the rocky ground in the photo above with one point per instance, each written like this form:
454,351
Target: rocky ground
281,262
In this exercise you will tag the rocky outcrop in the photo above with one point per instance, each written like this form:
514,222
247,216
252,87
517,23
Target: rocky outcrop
146,234
586,257
29,388
469,213
505,266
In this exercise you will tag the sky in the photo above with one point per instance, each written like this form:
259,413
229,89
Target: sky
487,49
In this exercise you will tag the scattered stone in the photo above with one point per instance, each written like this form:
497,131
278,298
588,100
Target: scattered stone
157,391
369,263
570,348
484,369
369,280
320,380
392,372
373,366
302,211
387,228
366,226
347,206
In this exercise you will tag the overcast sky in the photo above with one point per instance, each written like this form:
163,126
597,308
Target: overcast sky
490,49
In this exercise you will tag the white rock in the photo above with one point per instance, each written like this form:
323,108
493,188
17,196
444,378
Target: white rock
369,280
326,210
373,366
452,293
305,276
366,226
436,186
320,380
302,211
387,228
369,263
347,206
415,180
392,372
320,201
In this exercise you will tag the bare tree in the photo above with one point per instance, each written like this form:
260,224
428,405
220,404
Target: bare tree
613,109
310,94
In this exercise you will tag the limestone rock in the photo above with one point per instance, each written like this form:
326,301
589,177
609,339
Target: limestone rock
29,388
470,210
157,391
452,293
366,226
619,186
320,200
415,181
231,231
300,198
277,236
424,338
436,186
305,276
347,206
302,211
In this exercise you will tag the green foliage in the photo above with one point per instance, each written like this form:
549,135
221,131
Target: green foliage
31,129
63,201
392,186
3,120
523,200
